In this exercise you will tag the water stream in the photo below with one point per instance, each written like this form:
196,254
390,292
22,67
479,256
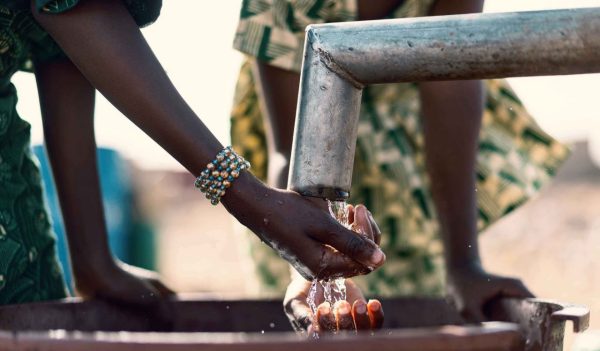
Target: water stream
333,289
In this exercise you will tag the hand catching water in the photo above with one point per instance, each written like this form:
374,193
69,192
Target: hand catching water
314,243
318,308
352,314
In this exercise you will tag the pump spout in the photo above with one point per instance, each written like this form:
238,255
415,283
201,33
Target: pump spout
341,59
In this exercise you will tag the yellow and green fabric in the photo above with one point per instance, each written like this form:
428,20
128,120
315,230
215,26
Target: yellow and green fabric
516,158
29,270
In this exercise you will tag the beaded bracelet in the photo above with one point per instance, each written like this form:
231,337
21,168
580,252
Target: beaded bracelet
220,174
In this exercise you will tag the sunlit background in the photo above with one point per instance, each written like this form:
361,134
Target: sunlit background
193,40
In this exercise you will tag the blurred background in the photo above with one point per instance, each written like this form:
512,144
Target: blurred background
159,221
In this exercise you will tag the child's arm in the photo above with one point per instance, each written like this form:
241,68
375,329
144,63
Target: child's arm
67,105
103,41
452,114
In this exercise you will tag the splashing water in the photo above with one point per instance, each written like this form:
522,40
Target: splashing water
333,289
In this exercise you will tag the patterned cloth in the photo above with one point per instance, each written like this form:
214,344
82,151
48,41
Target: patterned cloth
515,156
29,270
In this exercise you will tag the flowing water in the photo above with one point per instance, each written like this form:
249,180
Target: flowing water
333,289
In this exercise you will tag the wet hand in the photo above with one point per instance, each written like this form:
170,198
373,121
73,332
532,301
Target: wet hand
354,314
470,288
302,232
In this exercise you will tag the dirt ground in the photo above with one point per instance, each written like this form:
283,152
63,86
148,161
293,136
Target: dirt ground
552,243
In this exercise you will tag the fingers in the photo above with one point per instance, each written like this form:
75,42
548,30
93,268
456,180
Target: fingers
350,210
325,319
336,264
361,220
343,315
354,246
375,314
375,228
361,317
512,287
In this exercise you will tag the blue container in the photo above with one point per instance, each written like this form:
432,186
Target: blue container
115,181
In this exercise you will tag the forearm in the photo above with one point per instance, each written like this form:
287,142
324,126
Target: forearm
103,41
452,113
451,118
67,104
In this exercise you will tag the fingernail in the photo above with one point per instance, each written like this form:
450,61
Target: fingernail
377,258
324,308
375,223
361,307
374,305
342,307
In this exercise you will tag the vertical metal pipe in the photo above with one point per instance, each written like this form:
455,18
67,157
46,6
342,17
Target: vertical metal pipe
325,129
340,59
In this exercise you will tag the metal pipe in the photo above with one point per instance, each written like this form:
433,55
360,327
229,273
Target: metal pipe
340,59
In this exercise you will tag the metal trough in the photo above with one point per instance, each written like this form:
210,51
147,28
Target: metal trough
425,324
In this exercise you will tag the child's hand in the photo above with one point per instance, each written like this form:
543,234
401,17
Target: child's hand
471,287
353,314
302,232
123,283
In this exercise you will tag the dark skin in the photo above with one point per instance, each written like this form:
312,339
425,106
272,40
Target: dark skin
354,314
67,105
100,31
451,114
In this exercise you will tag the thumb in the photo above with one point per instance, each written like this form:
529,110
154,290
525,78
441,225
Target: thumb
356,247
296,307
299,314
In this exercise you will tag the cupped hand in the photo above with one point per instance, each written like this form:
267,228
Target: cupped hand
300,230
352,314
470,288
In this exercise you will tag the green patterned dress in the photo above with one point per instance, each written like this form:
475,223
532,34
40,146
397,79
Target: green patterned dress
515,156
29,270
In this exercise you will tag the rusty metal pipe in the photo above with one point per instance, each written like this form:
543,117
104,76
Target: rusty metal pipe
340,59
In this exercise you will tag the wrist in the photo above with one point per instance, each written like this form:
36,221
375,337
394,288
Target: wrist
242,193
461,266
89,271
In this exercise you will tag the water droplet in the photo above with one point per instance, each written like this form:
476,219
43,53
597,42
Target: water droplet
279,202
262,331
469,246
266,221
227,307
272,325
